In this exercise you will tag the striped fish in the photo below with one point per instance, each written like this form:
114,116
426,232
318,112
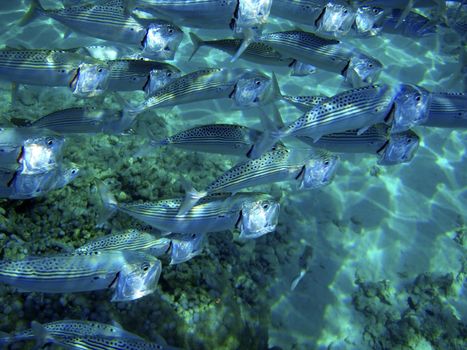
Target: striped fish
91,80
304,103
447,110
218,212
371,141
129,240
256,52
309,169
299,11
214,138
216,14
82,120
133,274
410,107
390,148
243,86
41,67
109,343
48,332
353,109
111,21
133,74
328,54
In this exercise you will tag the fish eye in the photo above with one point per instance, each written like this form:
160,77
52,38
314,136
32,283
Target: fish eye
50,142
326,162
370,65
167,48
257,82
409,140
73,171
375,10
265,206
170,30
418,98
100,70
193,235
145,266
169,74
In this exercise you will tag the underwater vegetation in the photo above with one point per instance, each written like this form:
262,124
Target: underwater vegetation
233,174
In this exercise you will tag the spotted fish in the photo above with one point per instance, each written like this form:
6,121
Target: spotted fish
353,109
447,110
308,168
304,103
132,274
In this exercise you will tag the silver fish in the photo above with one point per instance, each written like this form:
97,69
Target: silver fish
133,274
158,78
133,74
301,11
410,107
336,19
83,120
214,213
389,148
304,103
185,247
48,332
447,110
410,24
256,52
91,80
367,19
29,150
213,83
109,343
128,240
25,186
41,67
214,138
191,13
248,21
401,148
354,109
110,21
328,54
308,168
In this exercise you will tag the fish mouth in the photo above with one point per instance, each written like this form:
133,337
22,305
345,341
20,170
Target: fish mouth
74,81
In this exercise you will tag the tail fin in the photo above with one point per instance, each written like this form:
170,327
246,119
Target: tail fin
192,196
110,204
40,334
276,87
197,43
34,11
129,113
405,13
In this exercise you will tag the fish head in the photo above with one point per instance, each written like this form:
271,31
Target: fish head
40,154
253,13
401,148
319,171
362,70
161,41
367,17
67,175
186,247
300,69
410,107
138,279
158,78
336,19
258,217
90,80
254,89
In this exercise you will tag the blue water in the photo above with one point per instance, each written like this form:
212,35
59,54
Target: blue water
388,262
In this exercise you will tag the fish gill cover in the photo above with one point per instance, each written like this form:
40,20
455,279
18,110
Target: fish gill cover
309,195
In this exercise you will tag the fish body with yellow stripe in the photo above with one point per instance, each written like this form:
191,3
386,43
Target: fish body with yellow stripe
133,274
